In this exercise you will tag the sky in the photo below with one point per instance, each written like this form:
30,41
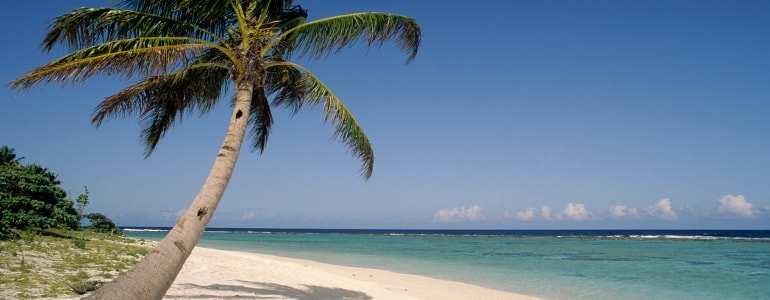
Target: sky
513,115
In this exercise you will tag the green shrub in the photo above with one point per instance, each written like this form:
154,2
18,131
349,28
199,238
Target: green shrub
79,243
101,223
31,198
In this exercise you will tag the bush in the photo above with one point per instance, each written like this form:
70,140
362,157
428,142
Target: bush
101,223
83,287
30,198
79,243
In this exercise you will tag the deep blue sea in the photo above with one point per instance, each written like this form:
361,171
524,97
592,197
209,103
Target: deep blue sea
554,264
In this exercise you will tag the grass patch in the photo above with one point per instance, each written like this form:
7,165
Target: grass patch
63,264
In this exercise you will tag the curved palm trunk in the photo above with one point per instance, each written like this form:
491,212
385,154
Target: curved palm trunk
154,274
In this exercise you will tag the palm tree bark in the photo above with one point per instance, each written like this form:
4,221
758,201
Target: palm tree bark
154,274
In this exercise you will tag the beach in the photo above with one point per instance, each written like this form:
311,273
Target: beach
216,274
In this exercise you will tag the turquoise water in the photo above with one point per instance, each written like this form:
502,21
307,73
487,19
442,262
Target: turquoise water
549,264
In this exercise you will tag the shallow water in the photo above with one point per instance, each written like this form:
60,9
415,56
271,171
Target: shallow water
550,264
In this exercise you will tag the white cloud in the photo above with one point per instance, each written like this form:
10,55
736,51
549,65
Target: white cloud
735,205
455,214
545,212
577,212
662,209
526,215
621,211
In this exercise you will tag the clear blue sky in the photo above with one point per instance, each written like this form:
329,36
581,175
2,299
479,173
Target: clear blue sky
514,115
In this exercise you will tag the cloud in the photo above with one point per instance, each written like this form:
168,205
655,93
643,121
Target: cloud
455,214
662,210
526,215
621,211
735,205
545,212
577,212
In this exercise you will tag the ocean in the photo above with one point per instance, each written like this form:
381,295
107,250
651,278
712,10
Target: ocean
553,264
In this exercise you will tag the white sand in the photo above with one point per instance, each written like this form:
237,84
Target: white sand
216,274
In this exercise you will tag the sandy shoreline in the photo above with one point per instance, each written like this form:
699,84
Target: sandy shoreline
217,274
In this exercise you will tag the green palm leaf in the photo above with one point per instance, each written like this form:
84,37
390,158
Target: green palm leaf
161,100
314,92
330,35
346,128
284,83
261,119
87,27
142,56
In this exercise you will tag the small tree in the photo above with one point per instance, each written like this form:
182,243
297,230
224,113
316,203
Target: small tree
30,198
101,223
81,203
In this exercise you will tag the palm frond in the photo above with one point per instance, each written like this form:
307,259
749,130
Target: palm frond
346,128
87,27
143,56
241,22
273,8
195,11
194,88
284,82
162,100
156,120
261,120
327,36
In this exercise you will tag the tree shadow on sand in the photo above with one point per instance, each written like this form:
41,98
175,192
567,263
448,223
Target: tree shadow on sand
258,290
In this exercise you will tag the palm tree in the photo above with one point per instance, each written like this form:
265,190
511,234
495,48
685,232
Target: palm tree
185,54
8,157
35,169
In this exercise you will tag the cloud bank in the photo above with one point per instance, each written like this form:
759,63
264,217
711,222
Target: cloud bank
736,205
662,210
623,211
458,214
526,215
577,212
545,212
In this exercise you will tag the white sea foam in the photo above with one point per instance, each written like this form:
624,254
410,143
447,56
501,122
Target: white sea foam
144,230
